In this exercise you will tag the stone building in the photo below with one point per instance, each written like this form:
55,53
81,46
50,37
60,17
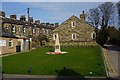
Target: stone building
75,30
23,30
8,43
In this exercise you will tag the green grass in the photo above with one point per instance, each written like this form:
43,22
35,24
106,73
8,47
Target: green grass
79,61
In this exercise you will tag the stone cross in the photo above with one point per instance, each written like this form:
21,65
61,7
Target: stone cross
57,44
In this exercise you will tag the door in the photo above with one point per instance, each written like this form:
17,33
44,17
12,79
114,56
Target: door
18,48
24,44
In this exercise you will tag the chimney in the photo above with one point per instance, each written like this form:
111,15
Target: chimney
2,13
31,19
51,25
82,16
47,24
43,24
37,22
12,16
22,18
56,24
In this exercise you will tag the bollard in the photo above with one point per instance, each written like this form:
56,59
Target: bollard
64,70
102,70
30,69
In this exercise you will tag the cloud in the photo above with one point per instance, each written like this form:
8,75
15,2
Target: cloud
60,0
62,16
45,6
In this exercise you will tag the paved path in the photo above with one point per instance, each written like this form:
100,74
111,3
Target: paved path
45,77
112,54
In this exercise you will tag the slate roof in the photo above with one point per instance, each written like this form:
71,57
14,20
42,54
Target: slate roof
6,34
18,22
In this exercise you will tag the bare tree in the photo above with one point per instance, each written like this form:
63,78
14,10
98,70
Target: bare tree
94,17
118,8
106,9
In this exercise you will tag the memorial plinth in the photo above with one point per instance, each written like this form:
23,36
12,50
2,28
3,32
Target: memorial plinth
57,47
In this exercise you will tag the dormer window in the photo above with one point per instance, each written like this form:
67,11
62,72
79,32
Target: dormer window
46,31
73,24
40,31
13,29
33,30
19,29
6,26
24,29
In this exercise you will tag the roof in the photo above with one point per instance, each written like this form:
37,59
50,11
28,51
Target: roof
73,16
6,34
19,22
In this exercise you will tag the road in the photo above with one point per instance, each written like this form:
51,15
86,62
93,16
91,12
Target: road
113,55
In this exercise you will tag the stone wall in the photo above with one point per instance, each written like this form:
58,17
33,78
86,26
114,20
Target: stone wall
6,49
82,30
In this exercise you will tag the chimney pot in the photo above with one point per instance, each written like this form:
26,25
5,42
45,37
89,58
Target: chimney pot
56,24
22,18
2,13
31,19
47,24
37,22
82,16
43,24
83,11
51,24
12,16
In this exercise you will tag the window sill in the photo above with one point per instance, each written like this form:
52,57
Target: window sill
73,26
10,47
73,39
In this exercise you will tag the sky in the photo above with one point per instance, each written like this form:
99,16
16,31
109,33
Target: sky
51,12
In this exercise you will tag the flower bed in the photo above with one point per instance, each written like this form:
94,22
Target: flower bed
54,53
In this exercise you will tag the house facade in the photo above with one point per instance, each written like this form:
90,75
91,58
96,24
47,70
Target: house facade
23,30
75,30
8,43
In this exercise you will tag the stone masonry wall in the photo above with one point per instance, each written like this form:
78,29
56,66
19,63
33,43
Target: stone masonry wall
82,30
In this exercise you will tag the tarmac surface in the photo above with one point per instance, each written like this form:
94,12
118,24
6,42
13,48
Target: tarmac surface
113,55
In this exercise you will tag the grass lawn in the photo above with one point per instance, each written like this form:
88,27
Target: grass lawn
79,61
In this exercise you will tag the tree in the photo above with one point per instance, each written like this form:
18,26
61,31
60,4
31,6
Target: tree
42,38
106,9
101,16
38,39
118,8
114,35
94,17
102,35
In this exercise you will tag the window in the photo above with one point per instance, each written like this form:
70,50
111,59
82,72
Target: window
40,31
33,30
73,24
6,26
73,36
10,43
19,29
93,36
46,31
13,29
55,36
24,29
